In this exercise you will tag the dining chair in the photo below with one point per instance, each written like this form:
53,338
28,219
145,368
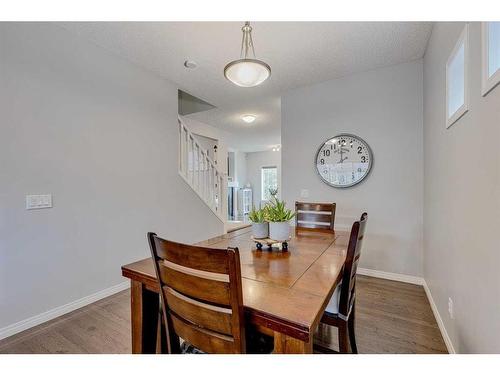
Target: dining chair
340,311
201,297
318,217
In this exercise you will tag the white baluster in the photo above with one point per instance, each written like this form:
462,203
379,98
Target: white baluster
197,159
217,197
191,158
186,152
211,184
207,180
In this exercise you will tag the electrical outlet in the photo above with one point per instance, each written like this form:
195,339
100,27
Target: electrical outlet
304,193
450,308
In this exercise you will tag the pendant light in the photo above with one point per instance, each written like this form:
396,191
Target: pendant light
247,71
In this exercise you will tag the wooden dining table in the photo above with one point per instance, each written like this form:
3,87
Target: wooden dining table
284,292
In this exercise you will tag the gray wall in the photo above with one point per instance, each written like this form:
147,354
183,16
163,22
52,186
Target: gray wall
255,162
100,134
384,107
462,199
240,164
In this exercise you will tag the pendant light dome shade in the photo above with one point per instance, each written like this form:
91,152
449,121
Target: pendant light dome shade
247,72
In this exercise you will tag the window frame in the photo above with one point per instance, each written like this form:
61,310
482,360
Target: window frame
464,108
262,198
487,83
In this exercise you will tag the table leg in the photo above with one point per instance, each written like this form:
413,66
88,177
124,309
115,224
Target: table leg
144,308
284,344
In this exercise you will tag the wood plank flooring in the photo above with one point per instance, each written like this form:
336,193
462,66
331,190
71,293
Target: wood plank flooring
392,317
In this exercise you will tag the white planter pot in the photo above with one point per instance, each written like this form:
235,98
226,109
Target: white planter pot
279,231
260,230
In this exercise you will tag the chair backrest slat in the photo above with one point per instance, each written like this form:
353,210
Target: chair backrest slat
205,340
315,216
195,257
347,292
204,289
212,317
201,293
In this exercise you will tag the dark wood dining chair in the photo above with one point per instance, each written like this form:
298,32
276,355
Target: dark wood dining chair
201,296
318,217
340,311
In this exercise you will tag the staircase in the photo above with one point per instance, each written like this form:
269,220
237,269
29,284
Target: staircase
201,173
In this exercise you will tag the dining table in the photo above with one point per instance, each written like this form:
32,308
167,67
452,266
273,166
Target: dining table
284,292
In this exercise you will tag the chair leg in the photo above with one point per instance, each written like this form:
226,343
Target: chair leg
168,341
352,335
343,338
162,336
172,338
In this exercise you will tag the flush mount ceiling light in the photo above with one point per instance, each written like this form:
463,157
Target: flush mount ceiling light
248,118
247,72
276,148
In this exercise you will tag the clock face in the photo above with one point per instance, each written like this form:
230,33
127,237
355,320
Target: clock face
344,160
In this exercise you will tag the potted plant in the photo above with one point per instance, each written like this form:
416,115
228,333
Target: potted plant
279,220
260,226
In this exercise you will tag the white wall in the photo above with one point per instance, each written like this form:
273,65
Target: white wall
240,164
384,107
462,199
255,162
101,135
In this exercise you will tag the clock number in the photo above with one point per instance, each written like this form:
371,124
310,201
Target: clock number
363,159
326,152
359,149
322,161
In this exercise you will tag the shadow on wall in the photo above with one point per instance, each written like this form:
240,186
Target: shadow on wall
379,249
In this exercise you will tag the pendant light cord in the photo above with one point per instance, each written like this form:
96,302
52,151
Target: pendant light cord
247,41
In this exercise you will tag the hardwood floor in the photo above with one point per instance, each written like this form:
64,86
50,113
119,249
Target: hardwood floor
392,317
101,327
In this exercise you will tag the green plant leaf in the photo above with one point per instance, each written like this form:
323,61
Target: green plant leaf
258,216
277,211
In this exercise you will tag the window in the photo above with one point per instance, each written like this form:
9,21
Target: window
490,36
269,180
457,90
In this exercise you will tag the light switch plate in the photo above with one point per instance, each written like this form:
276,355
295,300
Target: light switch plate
304,193
34,202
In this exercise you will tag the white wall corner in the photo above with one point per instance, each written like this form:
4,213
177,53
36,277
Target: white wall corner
442,328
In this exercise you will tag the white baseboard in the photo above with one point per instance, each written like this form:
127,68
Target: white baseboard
61,310
442,328
391,276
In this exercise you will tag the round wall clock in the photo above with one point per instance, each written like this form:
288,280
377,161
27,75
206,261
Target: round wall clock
344,160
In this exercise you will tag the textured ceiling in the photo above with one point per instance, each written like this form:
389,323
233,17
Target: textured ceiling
299,53
260,135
